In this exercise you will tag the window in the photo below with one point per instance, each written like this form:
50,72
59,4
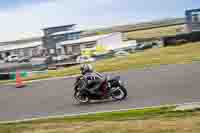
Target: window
70,37
195,18
75,36
90,45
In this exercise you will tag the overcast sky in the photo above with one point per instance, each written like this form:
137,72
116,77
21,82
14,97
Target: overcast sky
26,18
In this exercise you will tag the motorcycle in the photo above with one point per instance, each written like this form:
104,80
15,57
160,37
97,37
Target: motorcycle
111,88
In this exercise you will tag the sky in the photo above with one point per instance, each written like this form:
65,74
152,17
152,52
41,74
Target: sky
25,18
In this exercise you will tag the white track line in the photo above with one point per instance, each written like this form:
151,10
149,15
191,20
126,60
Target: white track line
82,114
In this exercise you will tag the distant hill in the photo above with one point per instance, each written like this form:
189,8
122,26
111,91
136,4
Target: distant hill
135,27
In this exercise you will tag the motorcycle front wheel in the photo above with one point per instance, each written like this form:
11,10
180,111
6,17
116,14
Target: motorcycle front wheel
81,98
119,93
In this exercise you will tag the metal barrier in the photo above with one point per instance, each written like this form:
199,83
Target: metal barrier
4,76
22,74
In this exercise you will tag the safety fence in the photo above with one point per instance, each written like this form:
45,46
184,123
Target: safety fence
181,38
23,74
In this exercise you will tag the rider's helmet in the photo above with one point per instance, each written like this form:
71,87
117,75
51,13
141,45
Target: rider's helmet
86,68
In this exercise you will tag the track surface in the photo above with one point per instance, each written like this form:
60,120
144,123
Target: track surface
172,84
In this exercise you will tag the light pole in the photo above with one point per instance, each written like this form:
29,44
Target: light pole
56,53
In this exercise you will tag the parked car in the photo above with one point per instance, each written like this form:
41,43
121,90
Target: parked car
82,59
60,58
121,53
54,59
11,58
24,59
146,46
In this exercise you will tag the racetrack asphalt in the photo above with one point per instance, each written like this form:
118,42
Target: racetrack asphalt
169,84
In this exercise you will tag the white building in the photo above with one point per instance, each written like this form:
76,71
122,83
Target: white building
107,42
32,48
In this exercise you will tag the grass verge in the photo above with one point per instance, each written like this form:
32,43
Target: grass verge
153,120
183,54
153,33
153,57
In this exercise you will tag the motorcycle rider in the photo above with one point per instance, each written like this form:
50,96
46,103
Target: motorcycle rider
93,79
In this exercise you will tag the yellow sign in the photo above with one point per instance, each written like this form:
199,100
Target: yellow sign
86,52
99,49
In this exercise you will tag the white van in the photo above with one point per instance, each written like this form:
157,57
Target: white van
11,58
83,59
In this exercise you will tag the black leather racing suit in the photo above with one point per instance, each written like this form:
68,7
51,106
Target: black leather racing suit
93,82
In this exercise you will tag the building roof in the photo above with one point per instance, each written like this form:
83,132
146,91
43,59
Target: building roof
67,32
20,41
19,46
63,26
193,10
51,30
83,40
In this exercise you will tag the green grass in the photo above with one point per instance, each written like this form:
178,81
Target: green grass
17,127
148,114
114,116
153,33
183,54
154,57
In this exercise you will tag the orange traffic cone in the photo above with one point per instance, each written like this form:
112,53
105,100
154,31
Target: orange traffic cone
19,81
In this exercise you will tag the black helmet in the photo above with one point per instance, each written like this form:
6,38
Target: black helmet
86,68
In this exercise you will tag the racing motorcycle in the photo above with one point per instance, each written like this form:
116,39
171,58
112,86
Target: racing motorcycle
110,88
